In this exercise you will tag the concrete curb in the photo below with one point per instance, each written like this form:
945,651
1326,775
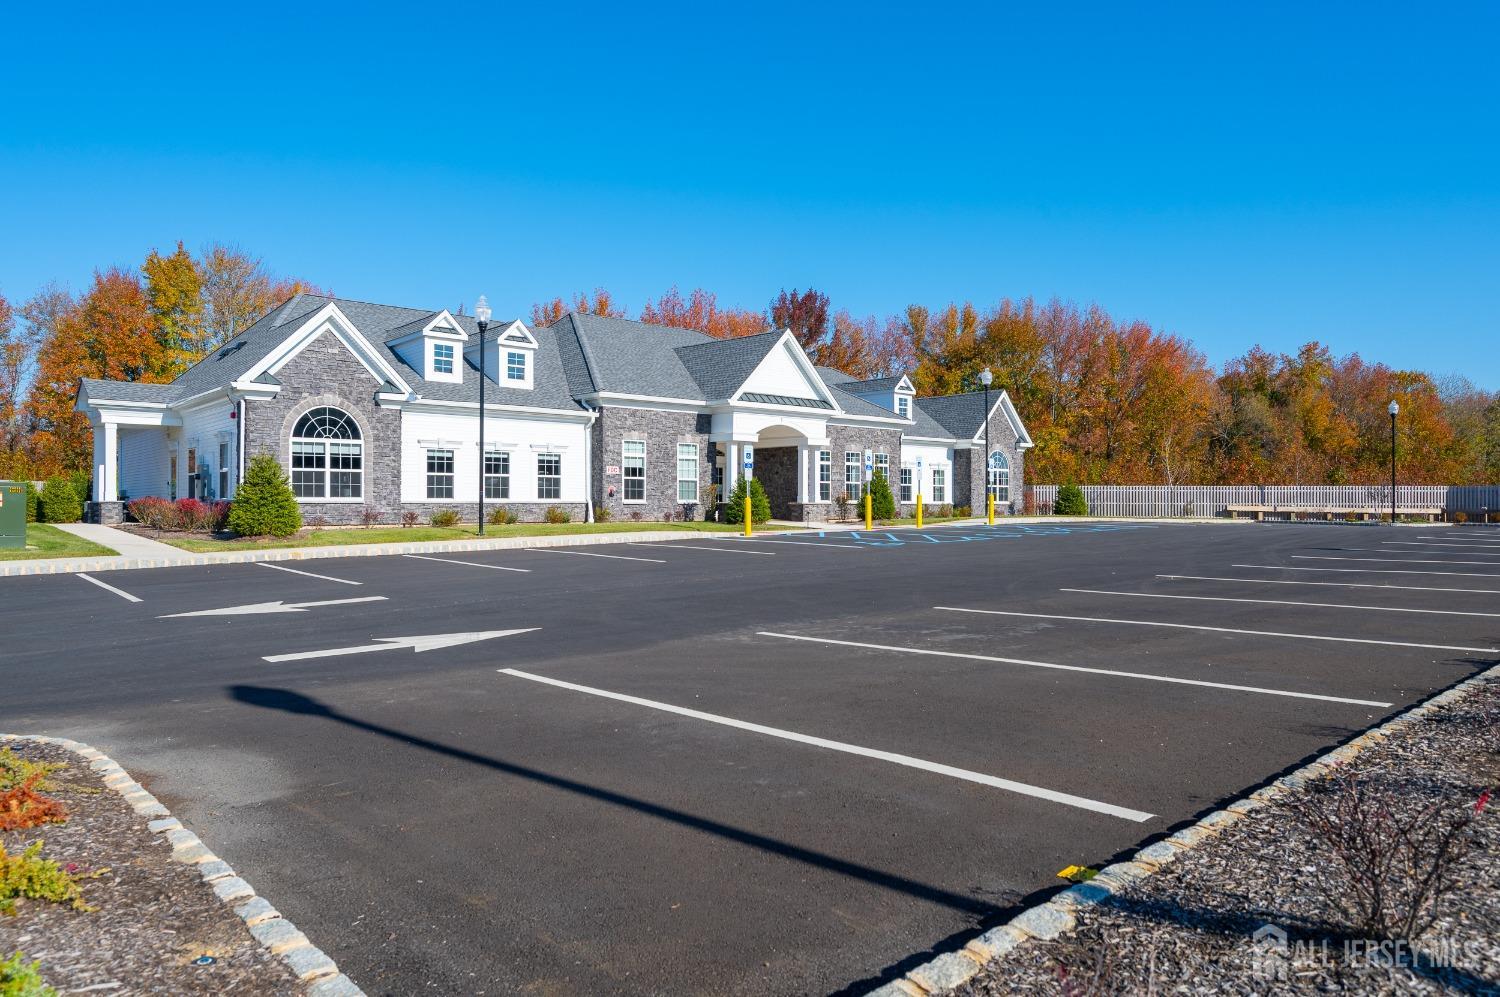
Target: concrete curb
68,566
1058,915
275,933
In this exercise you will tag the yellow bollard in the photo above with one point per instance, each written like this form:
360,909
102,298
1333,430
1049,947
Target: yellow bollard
991,510
747,512
919,510
868,523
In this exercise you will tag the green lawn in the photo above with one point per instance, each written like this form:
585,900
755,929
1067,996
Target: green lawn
48,541
420,534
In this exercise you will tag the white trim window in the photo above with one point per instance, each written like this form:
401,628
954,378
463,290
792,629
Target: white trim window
853,467
883,466
440,474
687,472
903,407
906,484
327,456
825,475
223,470
633,471
939,485
549,475
442,358
999,477
496,474
515,365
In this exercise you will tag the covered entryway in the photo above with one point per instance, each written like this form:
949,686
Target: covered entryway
783,457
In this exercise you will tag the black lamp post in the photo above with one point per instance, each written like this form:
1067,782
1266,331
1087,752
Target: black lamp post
986,378
1393,408
482,314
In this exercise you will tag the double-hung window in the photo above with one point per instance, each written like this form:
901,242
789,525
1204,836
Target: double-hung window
633,468
939,485
906,484
903,407
883,466
440,474
549,476
497,475
825,475
687,472
852,471
442,358
515,366
327,456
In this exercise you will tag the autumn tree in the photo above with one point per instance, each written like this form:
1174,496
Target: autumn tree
237,289
700,310
806,314
544,313
174,294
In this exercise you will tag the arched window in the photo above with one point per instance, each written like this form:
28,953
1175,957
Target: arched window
999,483
327,456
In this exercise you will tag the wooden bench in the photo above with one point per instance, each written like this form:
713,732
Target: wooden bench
1258,512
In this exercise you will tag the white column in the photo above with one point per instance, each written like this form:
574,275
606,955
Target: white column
731,468
109,485
802,451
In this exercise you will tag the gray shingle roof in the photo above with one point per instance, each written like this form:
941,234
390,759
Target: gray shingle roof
924,425
875,385
720,366
128,391
961,415
630,357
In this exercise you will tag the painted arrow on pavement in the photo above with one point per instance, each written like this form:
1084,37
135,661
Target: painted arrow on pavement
430,642
261,608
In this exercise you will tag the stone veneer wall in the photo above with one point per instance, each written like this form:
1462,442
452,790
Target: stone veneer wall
842,439
325,373
776,467
971,474
662,431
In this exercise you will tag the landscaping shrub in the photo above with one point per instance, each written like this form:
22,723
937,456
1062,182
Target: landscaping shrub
840,502
320,522
153,512
83,484
882,501
368,516
668,515
264,504
32,498
964,512
1028,503
1070,502
16,769
31,877
444,517
945,511
556,514
501,516
22,807
1460,518
409,518
635,515
191,514
760,505
602,514
60,502
19,978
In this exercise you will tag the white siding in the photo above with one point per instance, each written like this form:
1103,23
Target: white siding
780,374
932,455
203,429
143,462
523,437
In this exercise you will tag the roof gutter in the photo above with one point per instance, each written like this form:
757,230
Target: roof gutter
588,462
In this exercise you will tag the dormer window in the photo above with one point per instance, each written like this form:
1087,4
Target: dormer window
515,366
442,358
903,406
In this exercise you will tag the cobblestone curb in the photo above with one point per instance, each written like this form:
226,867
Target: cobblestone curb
274,932
68,566
1058,915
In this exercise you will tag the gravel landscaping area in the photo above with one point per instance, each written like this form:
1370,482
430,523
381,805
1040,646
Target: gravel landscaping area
1291,864
152,925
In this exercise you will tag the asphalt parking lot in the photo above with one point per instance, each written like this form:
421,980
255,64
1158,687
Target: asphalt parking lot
787,765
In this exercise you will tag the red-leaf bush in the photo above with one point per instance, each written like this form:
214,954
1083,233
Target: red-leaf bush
157,513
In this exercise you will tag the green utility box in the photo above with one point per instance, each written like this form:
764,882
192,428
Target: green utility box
12,514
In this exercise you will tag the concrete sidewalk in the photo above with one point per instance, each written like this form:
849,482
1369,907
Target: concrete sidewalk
127,544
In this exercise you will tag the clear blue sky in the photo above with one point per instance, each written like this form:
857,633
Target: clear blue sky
1233,173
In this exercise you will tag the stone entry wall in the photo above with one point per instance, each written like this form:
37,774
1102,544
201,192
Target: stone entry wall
776,468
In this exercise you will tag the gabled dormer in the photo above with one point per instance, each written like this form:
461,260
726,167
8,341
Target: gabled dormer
509,357
894,393
434,347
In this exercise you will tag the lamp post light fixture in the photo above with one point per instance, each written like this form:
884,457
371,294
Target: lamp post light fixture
1393,408
482,316
986,378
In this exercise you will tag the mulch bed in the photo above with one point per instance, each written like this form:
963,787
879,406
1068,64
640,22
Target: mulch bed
153,916
1187,929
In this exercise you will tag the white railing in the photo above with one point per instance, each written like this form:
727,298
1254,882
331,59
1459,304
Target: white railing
1177,501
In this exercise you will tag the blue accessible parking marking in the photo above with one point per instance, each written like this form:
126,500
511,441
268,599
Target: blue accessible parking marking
965,534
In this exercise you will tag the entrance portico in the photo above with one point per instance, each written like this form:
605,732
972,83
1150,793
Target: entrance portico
782,453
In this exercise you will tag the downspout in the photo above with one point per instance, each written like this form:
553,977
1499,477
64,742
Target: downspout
588,462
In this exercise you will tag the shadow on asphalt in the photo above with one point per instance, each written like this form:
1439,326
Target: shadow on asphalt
288,701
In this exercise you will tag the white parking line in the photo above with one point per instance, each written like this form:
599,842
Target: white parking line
1345,585
1078,668
1464,539
721,550
472,564
798,543
1415,543
1393,560
1224,630
309,574
1382,550
1083,803
1277,602
108,588
1368,571
584,553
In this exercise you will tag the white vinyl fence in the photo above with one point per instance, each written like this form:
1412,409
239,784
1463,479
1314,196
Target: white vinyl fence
1167,501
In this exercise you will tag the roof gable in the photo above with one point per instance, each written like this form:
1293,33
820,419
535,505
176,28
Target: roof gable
782,371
